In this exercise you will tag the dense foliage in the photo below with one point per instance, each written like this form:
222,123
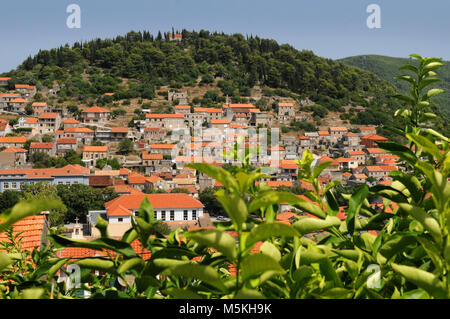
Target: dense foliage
386,68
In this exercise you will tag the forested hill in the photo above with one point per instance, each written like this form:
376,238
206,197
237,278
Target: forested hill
387,68
242,62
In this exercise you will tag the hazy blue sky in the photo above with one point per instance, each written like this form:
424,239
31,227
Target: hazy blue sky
331,28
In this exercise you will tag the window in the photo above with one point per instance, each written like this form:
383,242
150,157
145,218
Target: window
194,215
5,185
155,215
14,185
120,219
163,215
172,215
185,215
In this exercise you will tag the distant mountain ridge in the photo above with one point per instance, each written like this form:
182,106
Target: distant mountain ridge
387,68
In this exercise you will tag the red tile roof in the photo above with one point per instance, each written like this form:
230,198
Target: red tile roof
95,149
207,110
158,201
47,172
48,115
32,121
146,156
182,107
67,141
356,153
136,178
119,130
18,100
13,139
96,109
71,121
25,86
163,146
42,145
78,130
339,129
39,104
163,116
374,137
14,150
220,121
126,189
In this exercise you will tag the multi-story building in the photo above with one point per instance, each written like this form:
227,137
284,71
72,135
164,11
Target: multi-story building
337,133
165,149
182,109
48,148
93,153
26,90
15,179
39,108
286,112
4,81
83,135
95,115
209,113
66,144
167,121
16,105
167,207
13,158
49,123
12,141
70,123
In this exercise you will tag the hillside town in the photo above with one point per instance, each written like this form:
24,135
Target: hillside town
161,144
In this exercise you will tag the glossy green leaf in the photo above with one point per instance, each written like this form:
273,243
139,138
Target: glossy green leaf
5,261
96,244
257,264
102,226
270,250
206,274
264,231
97,263
129,264
309,225
427,221
355,203
234,205
213,238
426,144
423,279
